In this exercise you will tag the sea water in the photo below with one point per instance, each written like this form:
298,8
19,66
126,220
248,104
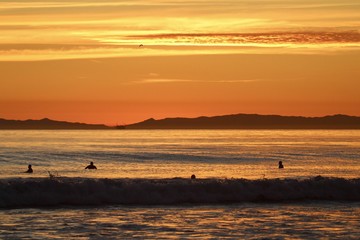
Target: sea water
181,153
142,187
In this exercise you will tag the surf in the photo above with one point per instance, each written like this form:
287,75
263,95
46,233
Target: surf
63,191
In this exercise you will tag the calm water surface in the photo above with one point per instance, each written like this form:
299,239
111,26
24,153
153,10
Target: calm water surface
178,153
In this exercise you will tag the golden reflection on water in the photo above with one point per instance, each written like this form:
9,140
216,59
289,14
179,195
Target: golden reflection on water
245,221
178,153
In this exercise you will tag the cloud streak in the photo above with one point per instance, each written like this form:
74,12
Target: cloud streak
176,80
243,4
187,44
244,38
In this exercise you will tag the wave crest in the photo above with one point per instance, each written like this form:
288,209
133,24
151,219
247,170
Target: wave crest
84,192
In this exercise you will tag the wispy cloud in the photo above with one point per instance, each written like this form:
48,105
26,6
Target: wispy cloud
47,29
33,52
175,80
162,80
237,4
246,38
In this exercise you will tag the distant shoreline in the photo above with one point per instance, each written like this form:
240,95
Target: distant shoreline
252,122
225,122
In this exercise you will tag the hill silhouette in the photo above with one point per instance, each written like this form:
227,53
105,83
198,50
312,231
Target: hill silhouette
47,124
251,121
235,121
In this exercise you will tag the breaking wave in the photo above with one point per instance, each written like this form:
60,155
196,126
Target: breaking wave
60,191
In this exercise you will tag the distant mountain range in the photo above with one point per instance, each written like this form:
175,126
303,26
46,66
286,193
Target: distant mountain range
47,124
236,121
251,121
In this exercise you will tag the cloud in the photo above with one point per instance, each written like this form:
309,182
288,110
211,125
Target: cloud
248,4
248,38
162,80
172,22
175,80
169,47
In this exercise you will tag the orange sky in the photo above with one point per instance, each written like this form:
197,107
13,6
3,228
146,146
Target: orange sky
81,61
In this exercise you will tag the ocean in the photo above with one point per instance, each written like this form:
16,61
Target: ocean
142,187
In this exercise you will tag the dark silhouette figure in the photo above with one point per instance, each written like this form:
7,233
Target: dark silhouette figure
281,165
91,166
193,176
141,45
29,169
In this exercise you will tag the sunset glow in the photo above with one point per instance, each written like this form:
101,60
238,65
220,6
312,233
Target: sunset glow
119,62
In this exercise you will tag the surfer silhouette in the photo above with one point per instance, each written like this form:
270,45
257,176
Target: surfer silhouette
91,166
281,165
29,169
193,176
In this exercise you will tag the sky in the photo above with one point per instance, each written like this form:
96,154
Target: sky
124,61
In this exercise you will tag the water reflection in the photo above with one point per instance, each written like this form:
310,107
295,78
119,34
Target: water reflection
245,221
166,154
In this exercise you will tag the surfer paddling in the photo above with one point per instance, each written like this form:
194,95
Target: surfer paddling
91,166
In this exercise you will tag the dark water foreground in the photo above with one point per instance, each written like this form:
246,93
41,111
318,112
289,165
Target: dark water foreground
300,220
46,192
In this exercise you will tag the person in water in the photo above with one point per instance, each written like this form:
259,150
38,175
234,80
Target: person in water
91,166
281,165
29,169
